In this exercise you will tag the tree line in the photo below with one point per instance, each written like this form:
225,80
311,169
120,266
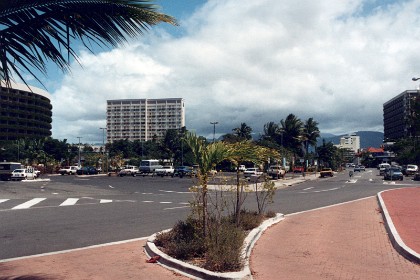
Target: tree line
293,138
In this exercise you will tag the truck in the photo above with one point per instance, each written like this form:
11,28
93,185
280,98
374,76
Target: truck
166,170
276,171
68,170
6,169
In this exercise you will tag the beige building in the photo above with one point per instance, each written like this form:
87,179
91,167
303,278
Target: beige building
143,119
351,142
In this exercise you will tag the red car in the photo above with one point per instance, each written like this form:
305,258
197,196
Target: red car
298,169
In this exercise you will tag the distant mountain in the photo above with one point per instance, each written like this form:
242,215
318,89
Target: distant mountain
367,138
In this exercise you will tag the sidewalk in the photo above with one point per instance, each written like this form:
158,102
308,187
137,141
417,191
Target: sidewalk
346,241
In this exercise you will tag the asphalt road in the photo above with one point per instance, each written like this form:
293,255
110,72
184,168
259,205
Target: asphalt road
69,212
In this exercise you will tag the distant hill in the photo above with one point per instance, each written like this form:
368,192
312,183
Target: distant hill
367,138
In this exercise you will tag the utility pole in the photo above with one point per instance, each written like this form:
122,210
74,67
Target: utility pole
79,149
214,130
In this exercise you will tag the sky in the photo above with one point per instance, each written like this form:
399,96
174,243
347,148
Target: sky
236,61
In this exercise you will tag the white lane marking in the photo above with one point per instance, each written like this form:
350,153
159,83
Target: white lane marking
147,201
352,181
69,201
3,200
308,188
29,203
165,202
179,207
111,187
105,201
326,190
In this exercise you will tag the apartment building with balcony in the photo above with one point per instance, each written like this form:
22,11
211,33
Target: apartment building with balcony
143,119
24,112
400,116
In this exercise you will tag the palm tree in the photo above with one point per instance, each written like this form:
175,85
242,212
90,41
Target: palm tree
207,156
34,32
292,130
271,131
243,132
310,134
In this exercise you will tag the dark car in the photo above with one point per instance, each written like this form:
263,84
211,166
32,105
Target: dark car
359,168
182,171
87,170
393,173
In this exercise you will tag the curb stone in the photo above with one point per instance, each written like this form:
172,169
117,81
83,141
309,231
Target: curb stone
395,238
200,273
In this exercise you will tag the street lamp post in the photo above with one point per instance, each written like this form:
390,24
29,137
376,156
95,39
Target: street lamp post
103,150
214,130
79,148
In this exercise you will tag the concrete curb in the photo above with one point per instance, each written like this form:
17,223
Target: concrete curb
200,273
395,238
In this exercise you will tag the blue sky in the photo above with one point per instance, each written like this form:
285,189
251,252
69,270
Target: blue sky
252,61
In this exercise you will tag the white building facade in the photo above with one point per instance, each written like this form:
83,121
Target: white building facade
351,142
143,119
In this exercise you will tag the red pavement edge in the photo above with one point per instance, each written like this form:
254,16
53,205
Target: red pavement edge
401,212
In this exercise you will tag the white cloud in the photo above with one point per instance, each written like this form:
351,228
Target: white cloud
256,62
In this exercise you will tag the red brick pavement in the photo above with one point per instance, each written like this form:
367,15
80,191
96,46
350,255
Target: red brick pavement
347,241
403,206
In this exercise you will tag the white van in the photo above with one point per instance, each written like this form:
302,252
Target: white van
149,166
383,167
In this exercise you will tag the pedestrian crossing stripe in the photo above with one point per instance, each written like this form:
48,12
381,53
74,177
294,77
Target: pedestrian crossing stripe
29,203
34,202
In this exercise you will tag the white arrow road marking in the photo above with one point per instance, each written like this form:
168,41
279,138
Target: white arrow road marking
69,201
29,203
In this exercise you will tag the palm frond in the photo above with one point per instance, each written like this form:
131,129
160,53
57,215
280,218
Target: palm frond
33,32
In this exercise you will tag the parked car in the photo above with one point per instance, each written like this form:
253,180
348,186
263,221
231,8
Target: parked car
276,171
87,170
23,174
128,170
182,171
393,173
166,170
68,170
252,171
416,176
411,169
298,169
242,168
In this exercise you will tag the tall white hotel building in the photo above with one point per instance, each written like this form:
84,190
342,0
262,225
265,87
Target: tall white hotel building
143,119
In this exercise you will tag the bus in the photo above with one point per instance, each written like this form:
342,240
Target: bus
6,169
